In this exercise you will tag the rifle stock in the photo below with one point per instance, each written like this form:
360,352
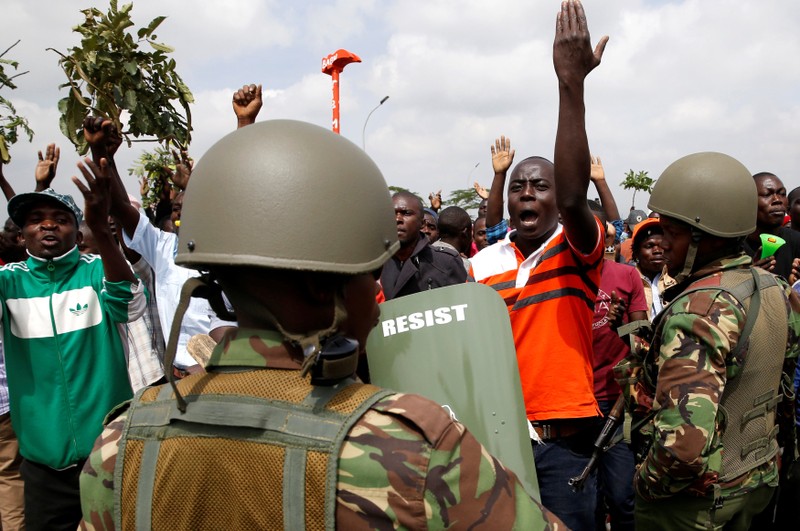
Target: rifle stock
601,444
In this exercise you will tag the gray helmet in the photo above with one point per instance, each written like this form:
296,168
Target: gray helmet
289,195
710,191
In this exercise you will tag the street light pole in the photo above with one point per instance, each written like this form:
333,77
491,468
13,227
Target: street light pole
469,175
364,129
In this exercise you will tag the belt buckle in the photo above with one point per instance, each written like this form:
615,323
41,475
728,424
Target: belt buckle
546,431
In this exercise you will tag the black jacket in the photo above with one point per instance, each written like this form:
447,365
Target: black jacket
426,268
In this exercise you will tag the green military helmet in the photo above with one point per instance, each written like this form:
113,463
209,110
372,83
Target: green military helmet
710,191
290,195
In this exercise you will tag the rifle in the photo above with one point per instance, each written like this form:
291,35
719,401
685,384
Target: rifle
601,444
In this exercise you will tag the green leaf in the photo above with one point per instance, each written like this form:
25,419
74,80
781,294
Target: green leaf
130,100
5,156
161,47
155,23
131,67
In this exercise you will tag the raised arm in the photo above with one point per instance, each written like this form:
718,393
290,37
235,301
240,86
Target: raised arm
97,198
436,200
598,177
104,139
246,104
502,158
5,186
482,192
573,59
183,169
46,167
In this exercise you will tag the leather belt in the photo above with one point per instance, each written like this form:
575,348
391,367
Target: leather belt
559,429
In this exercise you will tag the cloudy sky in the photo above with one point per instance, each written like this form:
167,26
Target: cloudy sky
677,77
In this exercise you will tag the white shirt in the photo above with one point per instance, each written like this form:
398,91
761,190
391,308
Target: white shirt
158,248
657,305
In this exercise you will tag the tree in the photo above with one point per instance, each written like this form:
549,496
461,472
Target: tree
10,122
638,182
465,198
110,74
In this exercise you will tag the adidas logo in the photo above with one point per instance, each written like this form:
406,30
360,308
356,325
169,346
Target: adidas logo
79,310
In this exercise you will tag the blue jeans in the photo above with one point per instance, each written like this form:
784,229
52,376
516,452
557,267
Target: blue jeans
557,461
615,472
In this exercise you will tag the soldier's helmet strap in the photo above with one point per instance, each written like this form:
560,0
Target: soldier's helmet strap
187,292
691,255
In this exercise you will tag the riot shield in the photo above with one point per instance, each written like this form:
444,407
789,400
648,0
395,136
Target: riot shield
454,345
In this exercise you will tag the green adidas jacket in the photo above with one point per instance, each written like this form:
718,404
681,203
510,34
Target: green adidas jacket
64,356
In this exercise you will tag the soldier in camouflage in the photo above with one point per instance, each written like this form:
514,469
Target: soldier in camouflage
720,351
277,434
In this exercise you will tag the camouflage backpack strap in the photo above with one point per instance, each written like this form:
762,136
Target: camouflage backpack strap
147,459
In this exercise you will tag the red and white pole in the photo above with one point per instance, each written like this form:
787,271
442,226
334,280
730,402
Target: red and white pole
333,65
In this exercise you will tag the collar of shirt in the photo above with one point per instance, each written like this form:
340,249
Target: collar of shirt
247,347
528,264
61,265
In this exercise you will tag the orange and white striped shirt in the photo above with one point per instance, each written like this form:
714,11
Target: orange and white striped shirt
550,297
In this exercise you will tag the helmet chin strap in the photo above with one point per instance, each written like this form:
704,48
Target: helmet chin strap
691,255
328,355
312,342
332,357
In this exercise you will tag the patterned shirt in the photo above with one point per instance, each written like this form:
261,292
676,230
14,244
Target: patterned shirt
145,341
690,365
404,464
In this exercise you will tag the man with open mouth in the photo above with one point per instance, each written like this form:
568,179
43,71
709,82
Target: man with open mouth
548,273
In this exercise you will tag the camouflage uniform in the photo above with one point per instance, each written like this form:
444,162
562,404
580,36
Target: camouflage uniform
404,464
683,376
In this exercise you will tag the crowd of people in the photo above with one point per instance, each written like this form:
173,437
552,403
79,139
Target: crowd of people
170,368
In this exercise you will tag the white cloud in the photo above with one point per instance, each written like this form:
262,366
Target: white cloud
677,77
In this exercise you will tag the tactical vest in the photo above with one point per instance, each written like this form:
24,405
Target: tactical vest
747,407
254,450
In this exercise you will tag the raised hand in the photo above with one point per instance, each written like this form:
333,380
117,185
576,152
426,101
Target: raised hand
247,102
46,167
768,263
573,56
436,200
597,171
96,192
102,136
183,169
502,155
482,192
97,205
